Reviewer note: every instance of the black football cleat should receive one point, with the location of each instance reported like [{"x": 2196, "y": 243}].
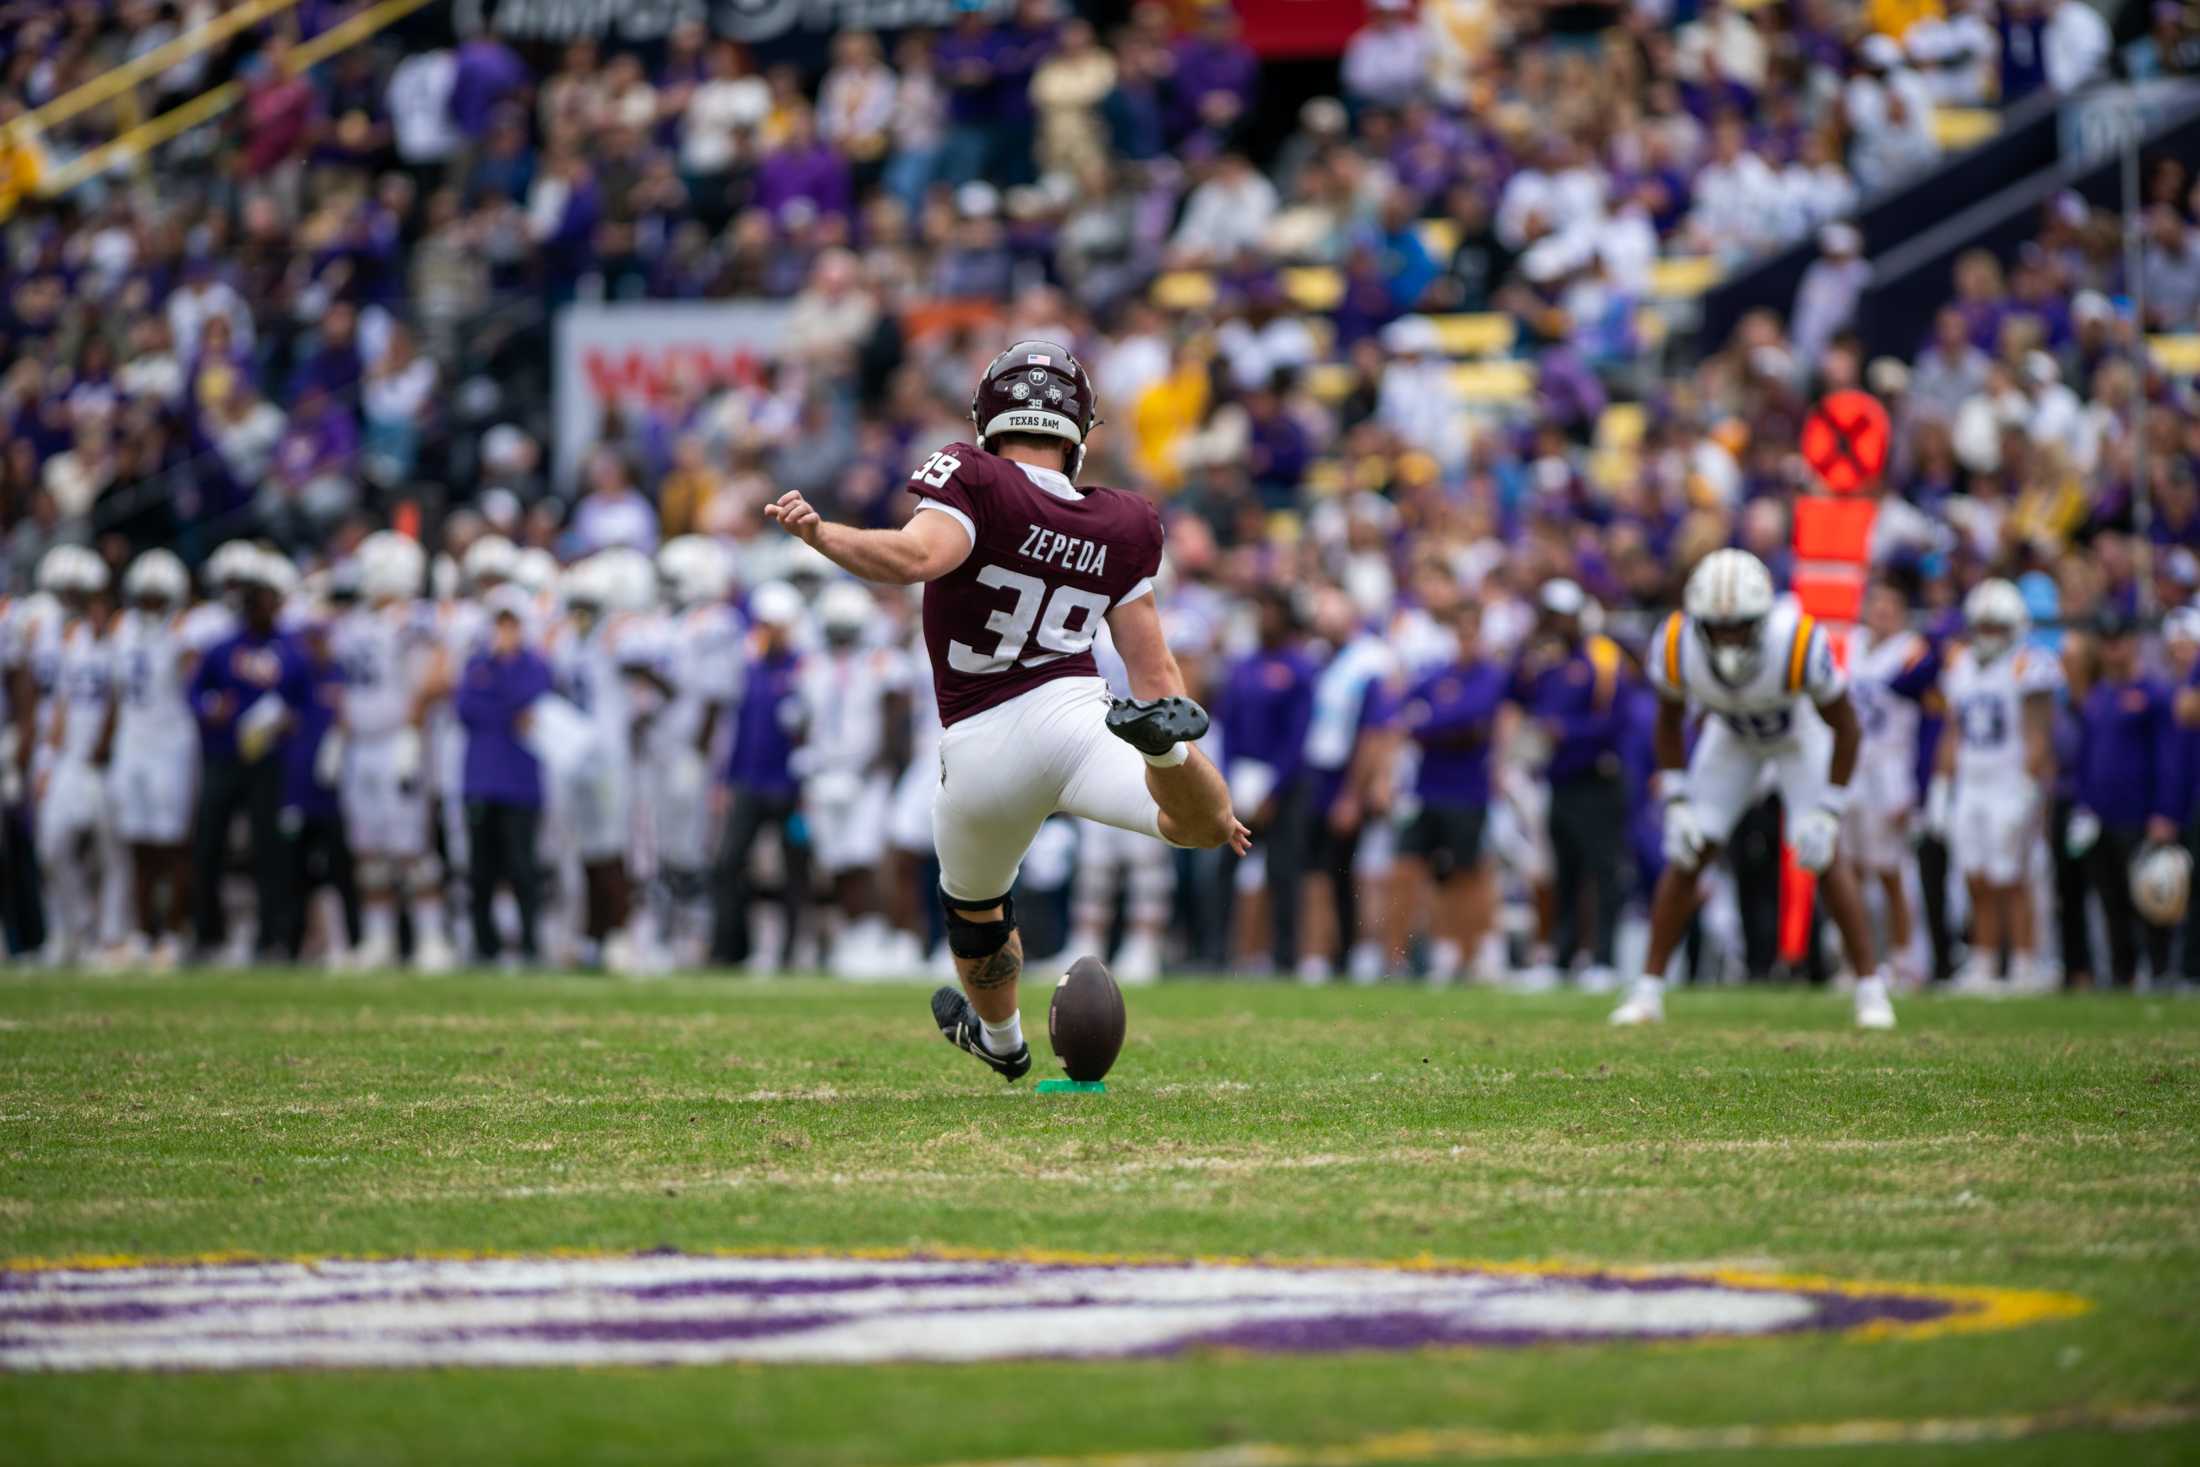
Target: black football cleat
[
  {"x": 1158, "y": 724},
  {"x": 960, "y": 1026}
]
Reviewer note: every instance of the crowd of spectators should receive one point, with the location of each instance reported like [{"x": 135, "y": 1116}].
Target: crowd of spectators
[{"x": 330, "y": 306}]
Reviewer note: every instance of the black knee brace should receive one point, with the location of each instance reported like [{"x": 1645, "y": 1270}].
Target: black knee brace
[{"x": 968, "y": 939}]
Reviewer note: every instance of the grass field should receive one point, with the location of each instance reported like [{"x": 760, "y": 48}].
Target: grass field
[{"x": 2051, "y": 1146}]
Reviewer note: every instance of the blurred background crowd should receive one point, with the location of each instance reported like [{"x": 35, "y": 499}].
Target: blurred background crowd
[{"x": 1393, "y": 327}]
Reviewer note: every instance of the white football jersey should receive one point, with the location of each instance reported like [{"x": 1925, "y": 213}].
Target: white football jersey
[
  {"x": 154, "y": 716},
  {"x": 380, "y": 649},
  {"x": 86, "y": 681},
  {"x": 591, "y": 674},
  {"x": 1986, "y": 709},
  {"x": 843, "y": 692},
  {"x": 1795, "y": 674},
  {"x": 1888, "y": 759},
  {"x": 205, "y": 624},
  {"x": 463, "y": 628},
  {"x": 34, "y": 644},
  {"x": 698, "y": 652}
]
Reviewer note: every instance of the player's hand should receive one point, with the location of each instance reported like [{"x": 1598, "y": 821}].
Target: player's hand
[
  {"x": 2161, "y": 830},
  {"x": 1241, "y": 839},
  {"x": 1684, "y": 835},
  {"x": 2081, "y": 833},
  {"x": 1939, "y": 798},
  {"x": 1815, "y": 838},
  {"x": 797, "y": 516}
]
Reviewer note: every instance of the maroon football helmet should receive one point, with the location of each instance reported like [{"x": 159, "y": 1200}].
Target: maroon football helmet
[{"x": 1036, "y": 387}]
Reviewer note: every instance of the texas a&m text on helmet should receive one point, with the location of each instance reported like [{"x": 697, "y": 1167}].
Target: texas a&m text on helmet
[{"x": 1036, "y": 387}]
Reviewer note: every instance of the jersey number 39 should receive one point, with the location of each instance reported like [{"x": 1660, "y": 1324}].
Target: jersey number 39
[{"x": 1066, "y": 626}]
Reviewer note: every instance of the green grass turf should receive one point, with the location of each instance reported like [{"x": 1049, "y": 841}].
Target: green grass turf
[{"x": 2044, "y": 1144}]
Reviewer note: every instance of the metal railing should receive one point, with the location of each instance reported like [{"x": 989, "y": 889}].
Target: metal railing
[{"x": 138, "y": 141}]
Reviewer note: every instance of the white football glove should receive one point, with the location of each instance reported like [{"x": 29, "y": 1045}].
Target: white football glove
[
  {"x": 328, "y": 760},
  {"x": 405, "y": 757},
  {"x": 1684, "y": 835},
  {"x": 1814, "y": 838},
  {"x": 2082, "y": 833},
  {"x": 1939, "y": 800}
]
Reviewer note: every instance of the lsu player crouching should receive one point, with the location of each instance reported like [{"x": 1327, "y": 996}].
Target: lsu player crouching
[{"x": 1763, "y": 672}]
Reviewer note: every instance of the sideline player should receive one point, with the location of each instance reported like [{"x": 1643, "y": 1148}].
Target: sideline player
[
  {"x": 1891, "y": 667},
  {"x": 78, "y": 854},
  {"x": 1021, "y": 567},
  {"x": 385, "y": 648},
  {"x": 1995, "y": 764},
  {"x": 154, "y": 776},
  {"x": 1764, "y": 672}
]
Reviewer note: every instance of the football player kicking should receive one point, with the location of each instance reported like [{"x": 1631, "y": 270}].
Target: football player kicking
[
  {"x": 1764, "y": 673},
  {"x": 1020, "y": 567}
]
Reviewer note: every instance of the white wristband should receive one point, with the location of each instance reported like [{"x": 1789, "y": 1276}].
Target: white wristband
[
  {"x": 1177, "y": 754},
  {"x": 1668, "y": 785},
  {"x": 1835, "y": 799}
]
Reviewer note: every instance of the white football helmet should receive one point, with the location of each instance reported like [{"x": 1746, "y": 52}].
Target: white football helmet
[
  {"x": 2161, "y": 881},
  {"x": 535, "y": 571},
  {"x": 586, "y": 585},
  {"x": 775, "y": 604},
  {"x": 490, "y": 558},
  {"x": 57, "y": 570},
  {"x": 228, "y": 563},
  {"x": 695, "y": 569},
  {"x": 269, "y": 568},
  {"x": 844, "y": 610},
  {"x": 72, "y": 569},
  {"x": 630, "y": 579},
  {"x": 1995, "y": 615},
  {"x": 391, "y": 566},
  {"x": 1729, "y": 595},
  {"x": 157, "y": 575}
]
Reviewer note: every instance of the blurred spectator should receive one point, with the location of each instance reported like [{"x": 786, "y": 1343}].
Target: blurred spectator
[
  {"x": 1386, "y": 63},
  {"x": 2075, "y": 48},
  {"x": 1068, "y": 88},
  {"x": 1826, "y": 299},
  {"x": 612, "y": 512}
]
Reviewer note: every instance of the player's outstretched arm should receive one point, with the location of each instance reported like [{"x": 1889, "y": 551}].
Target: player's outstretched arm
[{"x": 925, "y": 549}]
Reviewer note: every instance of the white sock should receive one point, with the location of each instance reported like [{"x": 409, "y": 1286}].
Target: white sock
[
  {"x": 378, "y": 922},
  {"x": 1177, "y": 754},
  {"x": 427, "y": 915},
  {"x": 1006, "y": 1038},
  {"x": 1443, "y": 958},
  {"x": 1649, "y": 982}
]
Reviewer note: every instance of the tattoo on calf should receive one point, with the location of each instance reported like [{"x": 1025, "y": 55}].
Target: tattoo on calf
[{"x": 1005, "y": 966}]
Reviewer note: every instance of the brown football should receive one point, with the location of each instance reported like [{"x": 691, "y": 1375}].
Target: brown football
[{"x": 1085, "y": 1020}]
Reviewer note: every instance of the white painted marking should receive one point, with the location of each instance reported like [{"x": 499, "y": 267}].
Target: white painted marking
[{"x": 676, "y": 1309}]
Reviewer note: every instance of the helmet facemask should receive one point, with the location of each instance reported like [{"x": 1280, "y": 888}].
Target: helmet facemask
[
  {"x": 1736, "y": 648},
  {"x": 1991, "y": 640}
]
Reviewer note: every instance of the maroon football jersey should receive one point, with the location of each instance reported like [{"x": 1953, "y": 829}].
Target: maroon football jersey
[{"x": 1047, "y": 562}]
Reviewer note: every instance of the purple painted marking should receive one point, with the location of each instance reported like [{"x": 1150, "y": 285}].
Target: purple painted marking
[
  {"x": 786, "y": 1288},
  {"x": 44, "y": 1312},
  {"x": 647, "y": 1331}
]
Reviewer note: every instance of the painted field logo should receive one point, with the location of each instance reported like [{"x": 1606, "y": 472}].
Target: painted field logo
[{"x": 669, "y": 1309}]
